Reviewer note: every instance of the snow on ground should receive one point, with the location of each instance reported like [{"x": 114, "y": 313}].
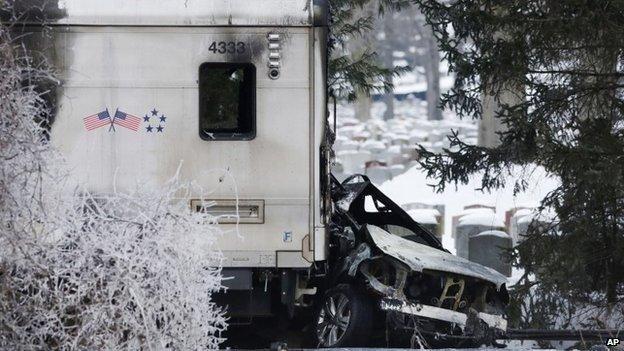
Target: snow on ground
[
  {"x": 413, "y": 186},
  {"x": 383, "y": 149}
]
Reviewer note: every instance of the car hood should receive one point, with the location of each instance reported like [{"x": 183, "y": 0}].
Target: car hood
[{"x": 421, "y": 257}]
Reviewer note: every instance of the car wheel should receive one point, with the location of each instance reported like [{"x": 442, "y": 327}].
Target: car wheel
[{"x": 343, "y": 318}]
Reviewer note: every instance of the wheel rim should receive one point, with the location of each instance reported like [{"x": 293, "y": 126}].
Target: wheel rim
[{"x": 333, "y": 320}]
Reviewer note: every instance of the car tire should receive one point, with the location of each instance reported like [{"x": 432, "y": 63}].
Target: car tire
[{"x": 343, "y": 318}]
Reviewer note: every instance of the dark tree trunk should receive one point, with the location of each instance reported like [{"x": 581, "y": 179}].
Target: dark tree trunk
[
  {"x": 432, "y": 71},
  {"x": 388, "y": 61}
]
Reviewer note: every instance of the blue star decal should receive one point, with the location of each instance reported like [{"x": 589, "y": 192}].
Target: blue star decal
[
  {"x": 149, "y": 129},
  {"x": 160, "y": 128},
  {"x": 163, "y": 118},
  {"x": 154, "y": 112},
  {"x": 146, "y": 118}
]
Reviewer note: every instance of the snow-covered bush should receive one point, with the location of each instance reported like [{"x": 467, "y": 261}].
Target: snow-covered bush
[{"x": 80, "y": 271}]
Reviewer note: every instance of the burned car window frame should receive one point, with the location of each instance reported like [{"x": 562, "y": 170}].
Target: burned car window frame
[
  {"x": 246, "y": 119},
  {"x": 388, "y": 214}
]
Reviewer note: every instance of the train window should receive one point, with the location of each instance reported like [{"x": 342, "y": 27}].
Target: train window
[{"x": 227, "y": 101}]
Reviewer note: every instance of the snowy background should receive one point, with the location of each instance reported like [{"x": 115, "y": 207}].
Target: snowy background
[{"x": 385, "y": 150}]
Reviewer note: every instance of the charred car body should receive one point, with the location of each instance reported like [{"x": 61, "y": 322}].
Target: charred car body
[{"x": 385, "y": 267}]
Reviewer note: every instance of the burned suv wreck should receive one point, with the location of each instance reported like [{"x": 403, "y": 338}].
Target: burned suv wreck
[{"x": 392, "y": 276}]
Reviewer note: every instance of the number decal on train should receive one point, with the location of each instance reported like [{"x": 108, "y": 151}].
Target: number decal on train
[{"x": 230, "y": 47}]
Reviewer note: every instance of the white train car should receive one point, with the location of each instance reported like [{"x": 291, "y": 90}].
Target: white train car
[
  {"x": 148, "y": 87},
  {"x": 239, "y": 85}
]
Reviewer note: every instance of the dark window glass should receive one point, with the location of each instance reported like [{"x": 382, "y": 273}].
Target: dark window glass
[{"x": 227, "y": 101}]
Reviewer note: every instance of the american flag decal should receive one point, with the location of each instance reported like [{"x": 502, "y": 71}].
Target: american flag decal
[
  {"x": 126, "y": 120},
  {"x": 97, "y": 120}
]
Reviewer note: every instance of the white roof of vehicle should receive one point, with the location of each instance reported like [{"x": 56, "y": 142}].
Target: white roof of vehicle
[{"x": 180, "y": 12}]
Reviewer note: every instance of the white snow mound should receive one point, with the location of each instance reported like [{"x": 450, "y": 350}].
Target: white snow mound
[{"x": 483, "y": 219}]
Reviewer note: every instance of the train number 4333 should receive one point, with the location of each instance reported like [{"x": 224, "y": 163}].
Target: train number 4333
[{"x": 229, "y": 47}]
